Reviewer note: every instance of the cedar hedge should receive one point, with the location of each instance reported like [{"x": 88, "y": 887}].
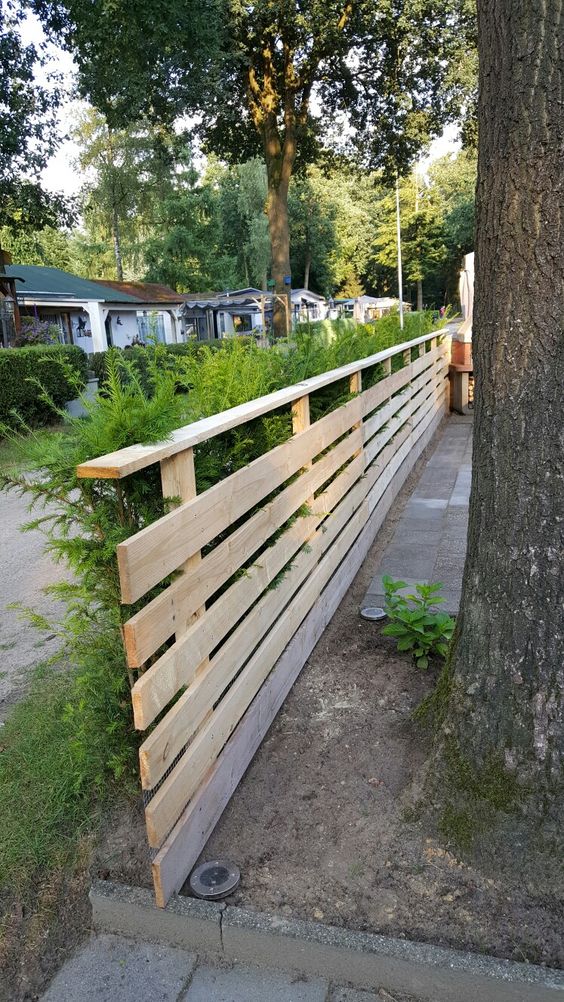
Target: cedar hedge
[
  {"x": 61, "y": 370},
  {"x": 138, "y": 354}
]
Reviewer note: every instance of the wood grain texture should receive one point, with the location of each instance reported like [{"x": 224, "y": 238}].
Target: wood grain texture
[
  {"x": 181, "y": 850},
  {"x": 156, "y": 622},
  {"x": 156, "y": 551}
]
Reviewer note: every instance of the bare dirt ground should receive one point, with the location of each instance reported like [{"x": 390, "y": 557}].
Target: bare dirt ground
[{"x": 323, "y": 825}]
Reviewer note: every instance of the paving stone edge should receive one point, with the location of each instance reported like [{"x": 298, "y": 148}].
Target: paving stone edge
[{"x": 364, "y": 960}]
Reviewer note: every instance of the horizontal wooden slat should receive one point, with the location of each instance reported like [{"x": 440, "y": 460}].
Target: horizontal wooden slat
[
  {"x": 156, "y": 551},
  {"x": 156, "y": 622},
  {"x": 177, "y": 667},
  {"x": 137, "y": 457},
  {"x": 164, "y": 809},
  {"x": 181, "y": 850},
  {"x": 177, "y": 727},
  {"x": 153, "y": 624},
  {"x": 175, "y": 730}
]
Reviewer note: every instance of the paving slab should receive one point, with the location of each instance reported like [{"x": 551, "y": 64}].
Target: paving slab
[
  {"x": 429, "y": 542},
  {"x": 114, "y": 969},
  {"x": 248, "y": 984}
]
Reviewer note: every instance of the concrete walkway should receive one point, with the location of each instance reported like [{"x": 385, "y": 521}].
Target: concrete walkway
[
  {"x": 429, "y": 544},
  {"x": 116, "y": 969},
  {"x": 25, "y": 569}
]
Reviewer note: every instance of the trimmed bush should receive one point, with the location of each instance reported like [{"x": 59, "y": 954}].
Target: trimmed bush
[
  {"x": 61, "y": 370},
  {"x": 138, "y": 355}
]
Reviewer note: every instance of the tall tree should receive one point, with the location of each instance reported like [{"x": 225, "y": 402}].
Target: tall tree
[
  {"x": 506, "y": 705},
  {"x": 422, "y": 235},
  {"x": 387, "y": 65},
  {"x": 29, "y": 126}
]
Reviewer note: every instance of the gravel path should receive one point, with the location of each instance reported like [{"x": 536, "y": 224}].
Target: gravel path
[{"x": 24, "y": 571}]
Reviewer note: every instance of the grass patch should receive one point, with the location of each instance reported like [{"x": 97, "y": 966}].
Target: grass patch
[
  {"x": 61, "y": 750},
  {"x": 13, "y": 450}
]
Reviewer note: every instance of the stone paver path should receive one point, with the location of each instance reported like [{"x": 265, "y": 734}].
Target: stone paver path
[
  {"x": 116, "y": 969},
  {"x": 429, "y": 543}
]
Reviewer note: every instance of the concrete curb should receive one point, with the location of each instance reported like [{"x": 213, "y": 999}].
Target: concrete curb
[{"x": 313, "y": 949}]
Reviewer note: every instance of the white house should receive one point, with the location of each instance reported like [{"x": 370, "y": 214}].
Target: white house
[
  {"x": 363, "y": 309},
  {"x": 97, "y": 314},
  {"x": 242, "y": 311}
]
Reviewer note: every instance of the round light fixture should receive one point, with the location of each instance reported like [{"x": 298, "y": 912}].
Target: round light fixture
[
  {"x": 373, "y": 613},
  {"x": 214, "y": 880}
]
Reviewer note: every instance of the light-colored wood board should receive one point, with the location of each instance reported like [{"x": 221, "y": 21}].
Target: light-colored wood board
[
  {"x": 172, "y": 733},
  {"x": 177, "y": 668},
  {"x": 156, "y": 551},
  {"x": 163, "y": 811},
  {"x": 120, "y": 464},
  {"x": 181, "y": 850},
  {"x": 146, "y": 631},
  {"x": 178, "y": 480}
]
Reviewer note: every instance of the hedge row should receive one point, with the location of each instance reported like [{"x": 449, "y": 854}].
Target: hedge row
[
  {"x": 61, "y": 370},
  {"x": 98, "y": 360}
]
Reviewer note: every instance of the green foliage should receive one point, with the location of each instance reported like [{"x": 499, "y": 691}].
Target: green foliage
[
  {"x": 474, "y": 799},
  {"x": 72, "y": 738},
  {"x": 49, "y": 247},
  {"x": 59, "y": 370},
  {"x": 60, "y": 746},
  {"x": 415, "y": 623},
  {"x": 29, "y": 132}
]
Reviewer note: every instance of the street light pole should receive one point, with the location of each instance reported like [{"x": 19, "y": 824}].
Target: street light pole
[{"x": 400, "y": 276}]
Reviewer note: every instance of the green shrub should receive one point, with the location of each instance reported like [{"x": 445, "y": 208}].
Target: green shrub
[
  {"x": 415, "y": 622},
  {"x": 59, "y": 369},
  {"x": 138, "y": 354},
  {"x": 86, "y": 715}
]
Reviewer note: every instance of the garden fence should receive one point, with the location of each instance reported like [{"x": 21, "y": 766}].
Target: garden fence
[{"x": 264, "y": 556}]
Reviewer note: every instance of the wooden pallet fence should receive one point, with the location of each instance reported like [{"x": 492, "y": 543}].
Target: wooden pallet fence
[{"x": 207, "y": 645}]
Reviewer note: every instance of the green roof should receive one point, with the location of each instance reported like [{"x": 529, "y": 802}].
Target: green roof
[{"x": 52, "y": 283}]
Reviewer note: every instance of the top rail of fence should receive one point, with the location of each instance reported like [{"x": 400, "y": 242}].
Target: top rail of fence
[{"x": 123, "y": 462}]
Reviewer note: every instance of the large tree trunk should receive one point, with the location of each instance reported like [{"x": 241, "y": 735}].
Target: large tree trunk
[
  {"x": 307, "y": 268},
  {"x": 117, "y": 244},
  {"x": 278, "y": 228},
  {"x": 506, "y": 702},
  {"x": 419, "y": 294}
]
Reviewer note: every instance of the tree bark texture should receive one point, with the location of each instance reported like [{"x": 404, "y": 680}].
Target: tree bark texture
[
  {"x": 279, "y": 231},
  {"x": 117, "y": 244},
  {"x": 507, "y": 697},
  {"x": 307, "y": 268},
  {"x": 419, "y": 294}
]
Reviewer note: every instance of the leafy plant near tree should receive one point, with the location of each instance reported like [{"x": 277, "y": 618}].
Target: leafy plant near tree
[{"x": 415, "y": 622}]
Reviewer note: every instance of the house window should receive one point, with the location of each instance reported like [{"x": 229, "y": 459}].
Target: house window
[{"x": 151, "y": 325}]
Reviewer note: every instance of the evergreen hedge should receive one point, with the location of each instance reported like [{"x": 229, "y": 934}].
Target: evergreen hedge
[{"x": 61, "y": 370}]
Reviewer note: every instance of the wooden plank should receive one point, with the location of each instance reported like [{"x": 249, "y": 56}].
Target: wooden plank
[
  {"x": 172, "y": 733},
  {"x": 146, "y": 631},
  {"x": 120, "y": 464},
  {"x": 178, "y": 480},
  {"x": 178, "y": 666},
  {"x": 163, "y": 811},
  {"x": 181, "y": 850},
  {"x": 156, "y": 551}
]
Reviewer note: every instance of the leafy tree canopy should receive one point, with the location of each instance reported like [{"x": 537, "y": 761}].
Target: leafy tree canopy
[{"x": 29, "y": 133}]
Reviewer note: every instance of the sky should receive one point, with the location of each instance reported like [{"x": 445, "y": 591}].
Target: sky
[{"x": 60, "y": 174}]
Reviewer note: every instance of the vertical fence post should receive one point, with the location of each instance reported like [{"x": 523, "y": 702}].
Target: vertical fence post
[
  {"x": 300, "y": 421},
  {"x": 355, "y": 386},
  {"x": 178, "y": 480}
]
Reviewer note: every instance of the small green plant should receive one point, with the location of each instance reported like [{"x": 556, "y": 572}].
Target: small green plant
[{"x": 416, "y": 624}]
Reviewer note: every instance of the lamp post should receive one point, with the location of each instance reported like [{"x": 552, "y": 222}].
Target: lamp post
[{"x": 400, "y": 276}]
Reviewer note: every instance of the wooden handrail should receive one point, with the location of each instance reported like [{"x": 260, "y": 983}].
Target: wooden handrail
[{"x": 116, "y": 465}]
